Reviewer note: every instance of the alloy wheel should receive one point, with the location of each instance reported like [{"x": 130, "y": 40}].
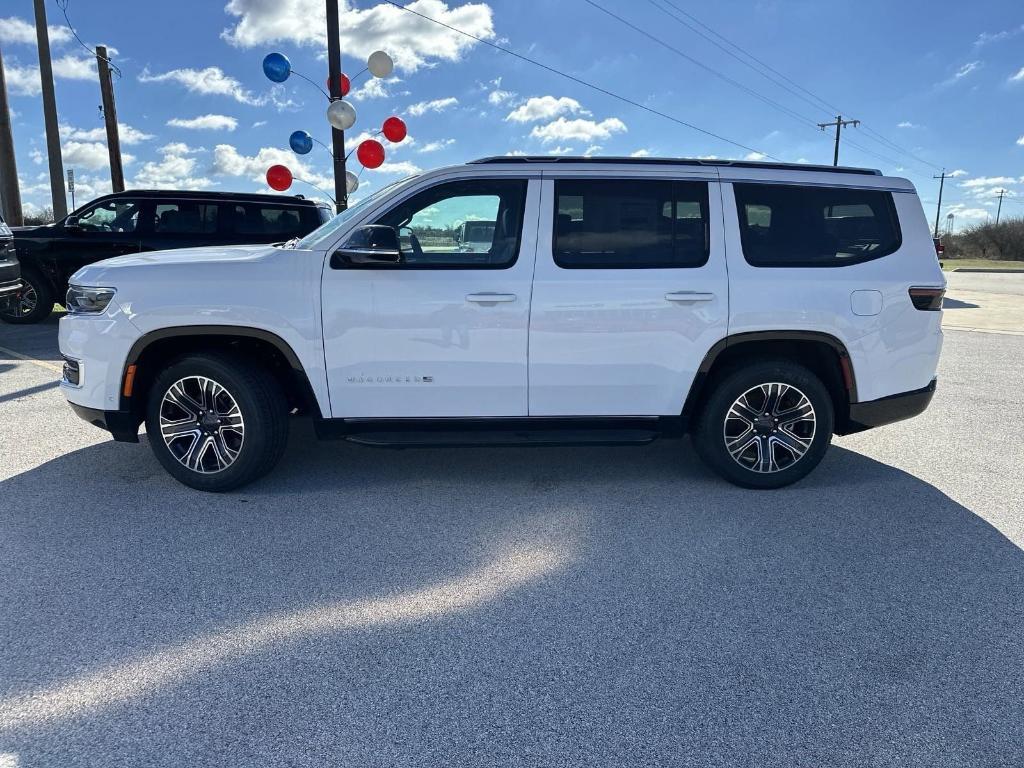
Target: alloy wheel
[
  {"x": 769, "y": 427},
  {"x": 25, "y": 302},
  {"x": 201, "y": 424}
]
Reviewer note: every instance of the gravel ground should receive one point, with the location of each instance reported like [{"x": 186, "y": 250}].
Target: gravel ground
[{"x": 471, "y": 607}]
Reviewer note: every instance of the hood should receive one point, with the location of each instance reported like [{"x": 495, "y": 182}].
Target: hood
[
  {"x": 191, "y": 259},
  {"x": 43, "y": 229}
]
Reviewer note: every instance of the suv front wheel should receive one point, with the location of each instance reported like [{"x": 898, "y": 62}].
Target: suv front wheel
[
  {"x": 765, "y": 425},
  {"x": 216, "y": 421}
]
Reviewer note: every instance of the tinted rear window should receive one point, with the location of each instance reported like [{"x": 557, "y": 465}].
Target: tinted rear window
[
  {"x": 804, "y": 226},
  {"x": 270, "y": 221},
  {"x": 630, "y": 224}
]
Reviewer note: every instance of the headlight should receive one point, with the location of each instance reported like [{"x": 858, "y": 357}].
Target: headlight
[{"x": 86, "y": 300}]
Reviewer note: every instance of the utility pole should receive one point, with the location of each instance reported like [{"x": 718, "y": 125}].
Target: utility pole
[
  {"x": 334, "y": 79},
  {"x": 10, "y": 194},
  {"x": 938, "y": 208},
  {"x": 60, "y": 203},
  {"x": 110, "y": 118},
  {"x": 1000, "y": 208},
  {"x": 839, "y": 124}
]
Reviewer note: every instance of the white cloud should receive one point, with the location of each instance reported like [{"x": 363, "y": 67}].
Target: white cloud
[
  {"x": 89, "y": 154},
  {"x": 907, "y": 124},
  {"x": 593, "y": 149},
  {"x": 403, "y": 168},
  {"x": 988, "y": 181},
  {"x": 24, "y": 81},
  {"x": 964, "y": 71},
  {"x": 1020, "y": 141},
  {"x": 755, "y": 156},
  {"x": 175, "y": 170},
  {"x": 205, "y": 123},
  {"x": 995, "y": 37},
  {"x": 127, "y": 134},
  {"x": 412, "y": 41},
  {"x": 1019, "y": 77},
  {"x": 956, "y": 174},
  {"x": 208, "y": 81},
  {"x": 18, "y": 31},
  {"x": 75, "y": 68},
  {"x": 376, "y": 88},
  {"x": 228, "y": 161},
  {"x": 539, "y": 108},
  {"x": 437, "y": 105},
  {"x": 434, "y": 146},
  {"x": 498, "y": 96},
  {"x": 641, "y": 153},
  {"x": 577, "y": 130}
]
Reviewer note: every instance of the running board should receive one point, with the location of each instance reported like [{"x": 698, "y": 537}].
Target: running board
[{"x": 513, "y": 431}]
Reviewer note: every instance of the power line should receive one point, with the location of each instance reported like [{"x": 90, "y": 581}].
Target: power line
[
  {"x": 580, "y": 81},
  {"x": 63, "y": 5},
  {"x": 811, "y": 98}
]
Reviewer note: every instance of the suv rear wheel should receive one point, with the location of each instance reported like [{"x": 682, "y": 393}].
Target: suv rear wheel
[
  {"x": 216, "y": 422},
  {"x": 765, "y": 425},
  {"x": 33, "y": 303}
]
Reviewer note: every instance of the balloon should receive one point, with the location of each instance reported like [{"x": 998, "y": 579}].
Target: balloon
[
  {"x": 279, "y": 178},
  {"x": 371, "y": 153},
  {"x": 341, "y": 115},
  {"x": 380, "y": 64},
  {"x": 394, "y": 129},
  {"x": 300, "y": 142},
  {"x": 276, "y": 67},
  {"x": 351, "y": 182},
  {"x": 346, "y": 84}
]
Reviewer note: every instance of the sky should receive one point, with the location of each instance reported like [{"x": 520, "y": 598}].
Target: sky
[{"x": 935, "y": 86}]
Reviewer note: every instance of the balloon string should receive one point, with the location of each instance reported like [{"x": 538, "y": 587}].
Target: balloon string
[
  {"x": 329, "y": 150},
  {"x": 378, "y": 133},
  {"x": 325, "y": 93},
  {"x": 314, "y": 186}
]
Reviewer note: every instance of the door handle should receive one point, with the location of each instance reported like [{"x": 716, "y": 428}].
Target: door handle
[
  {"x": 687, "y": 296},
  {"x": 490, "y": 298}
]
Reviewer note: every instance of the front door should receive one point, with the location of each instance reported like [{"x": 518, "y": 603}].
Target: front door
[
  {"x": 442, "y": 333},
  {"x": 630, "y": 292},
  {"x": 107, "y": 229}
]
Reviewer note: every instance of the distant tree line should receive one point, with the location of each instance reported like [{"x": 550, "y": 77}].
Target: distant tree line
[
  {"x": 1004, "y": 242},
  {"x": 44, "y": 216}
]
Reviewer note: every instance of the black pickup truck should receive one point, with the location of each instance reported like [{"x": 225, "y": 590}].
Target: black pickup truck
[
  {"x": 148, "y": 220},
  {"x": 10, "y": 273}
]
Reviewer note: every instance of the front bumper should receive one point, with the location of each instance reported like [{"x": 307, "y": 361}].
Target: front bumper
[
  {"x": 124, "y": 426},
  {"x": 886, "y": 410}
]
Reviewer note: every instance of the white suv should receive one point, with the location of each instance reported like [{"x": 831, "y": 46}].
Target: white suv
[{"x": 762, "y": 308}]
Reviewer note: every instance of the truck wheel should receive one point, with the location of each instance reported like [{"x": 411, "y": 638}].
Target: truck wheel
[
  {"x": 765, "y": 425},
  {"x": 33, "y": 303},
  {"x": 216, "y": 421}
]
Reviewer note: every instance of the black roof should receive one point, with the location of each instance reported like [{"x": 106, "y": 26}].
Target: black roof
[
  {"x": 189, "y": 194},
  {"x": 512, "y": 159}
]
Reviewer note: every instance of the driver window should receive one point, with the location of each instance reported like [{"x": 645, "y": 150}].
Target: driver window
[
  {"x": 111, "y": 216},
  {"x": 471, "y": 224}
]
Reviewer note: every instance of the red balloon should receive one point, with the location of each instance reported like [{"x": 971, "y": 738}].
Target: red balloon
[
  {"x": 346, "y": 84},
  {"x": 394, "y": 129},
  {"x": 371, "y": 153},
  {"x": 279, "y": 178}
]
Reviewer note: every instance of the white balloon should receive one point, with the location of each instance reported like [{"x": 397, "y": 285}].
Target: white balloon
[
  {"x": 351, "y": 182},
  {"x": 380, "y": 64},
  {"x": 341, "y": 115}
]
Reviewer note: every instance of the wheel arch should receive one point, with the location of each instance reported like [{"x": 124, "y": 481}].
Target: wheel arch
[
  {"x": 823, "y": 353},
  {"x": 165, "y": 343}
]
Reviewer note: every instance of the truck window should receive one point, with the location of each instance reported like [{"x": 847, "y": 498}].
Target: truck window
[
  {"x": 803, "y": 226},
  {"x": 630, "y": 223},
  {"x": 185, "y": 218}
]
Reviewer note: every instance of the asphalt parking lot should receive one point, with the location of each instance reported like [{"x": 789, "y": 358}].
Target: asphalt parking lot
[{"x": 572, "y": 606}]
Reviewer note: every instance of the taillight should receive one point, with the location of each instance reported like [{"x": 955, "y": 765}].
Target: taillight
[
  {"x": 939, "y": 247},
  {"x": 927, "y": 299}
]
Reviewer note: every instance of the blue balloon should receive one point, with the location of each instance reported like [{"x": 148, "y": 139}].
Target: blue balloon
[
  {"x": 300, "y": 142},
  {"x": 276, "y": 67}
]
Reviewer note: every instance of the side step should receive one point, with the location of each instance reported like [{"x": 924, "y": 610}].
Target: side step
[{"x": 503, "y": 437}]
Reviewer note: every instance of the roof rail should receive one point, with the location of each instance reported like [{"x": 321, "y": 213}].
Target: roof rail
[{"x": 561, "y": 159}]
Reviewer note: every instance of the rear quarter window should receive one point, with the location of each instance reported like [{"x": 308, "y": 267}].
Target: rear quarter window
[{"x": 803, "y": 226}]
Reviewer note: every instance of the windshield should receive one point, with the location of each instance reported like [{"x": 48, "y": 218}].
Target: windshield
[{"x": 327, "y": 231}]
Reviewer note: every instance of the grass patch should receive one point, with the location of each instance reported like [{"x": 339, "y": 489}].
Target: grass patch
[{"x": 948, "y": 265}]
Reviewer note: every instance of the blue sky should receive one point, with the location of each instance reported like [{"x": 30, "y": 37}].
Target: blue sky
[{"x": 943, "y": 83}]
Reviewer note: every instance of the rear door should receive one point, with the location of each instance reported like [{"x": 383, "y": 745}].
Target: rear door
[
  {"x": 181, "y": 224},
  {"x": 630, "y": 292},
  {"x": 257, "y": 223},
  {"x": 444, "y": 332}
]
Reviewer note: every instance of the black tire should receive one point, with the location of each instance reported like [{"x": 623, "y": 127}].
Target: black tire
[
  {"x": 767, "y": 460},
  {"x": 36, "y": 286},
  {"x": 261, "y": 404}
]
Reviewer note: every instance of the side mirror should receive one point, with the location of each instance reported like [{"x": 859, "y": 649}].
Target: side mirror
[
  {"x": 71, "y": 222},
  {"x": 372, "y": 245}
]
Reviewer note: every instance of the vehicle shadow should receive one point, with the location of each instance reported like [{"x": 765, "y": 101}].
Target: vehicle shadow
[
  {"x": 36, "y": 340},
  {"x": 861, "y": 617}
]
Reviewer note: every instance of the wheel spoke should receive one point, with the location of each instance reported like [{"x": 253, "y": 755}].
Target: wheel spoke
[
  {"x": 201, "y": 424},
  {"x": 795, "y": 445},
  {"x": 743, "y": 412}
]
